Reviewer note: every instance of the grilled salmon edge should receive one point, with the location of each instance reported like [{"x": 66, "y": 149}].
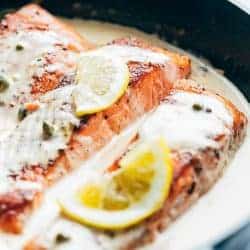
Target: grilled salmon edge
[{"x": 148, "y": 85}]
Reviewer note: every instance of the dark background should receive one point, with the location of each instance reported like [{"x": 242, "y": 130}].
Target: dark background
[{"x": 214, "y": 29}]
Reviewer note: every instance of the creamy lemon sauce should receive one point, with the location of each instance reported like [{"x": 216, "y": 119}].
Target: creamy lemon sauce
[
  {"x": 26, "y": 146},
  {"x": 189, "y": 121},
  {"x": 23, "y": 56},
  {"x": 133, "y": 54},
  {"x": 14, "y": 64},
  {"x": 220, "y": 120},
  {"x": 22, "y": 142}
]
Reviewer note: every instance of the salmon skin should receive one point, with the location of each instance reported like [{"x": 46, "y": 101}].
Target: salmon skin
[{"x": 48, "y": 52}]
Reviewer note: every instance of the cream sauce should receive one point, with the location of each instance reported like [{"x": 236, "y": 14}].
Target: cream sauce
[
  {"x": 21, "y": 65},
  {"x": 184, "y": 127},
  {"x": 25, "y": 146},
  {"x": 101, "y": 33},
  {"x": 23, "y": 57},
  {"x": 134, "y": 54}
]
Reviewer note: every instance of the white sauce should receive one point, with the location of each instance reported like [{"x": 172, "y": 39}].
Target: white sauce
[
  {"x": 78, "y": 236},
  {"x": 185, "y": 128},
  {"x": 22, "y": 144},
  {"x": 134, "y": 54},
  {"x": 22, "y": 65},
  {"x": 102, "y": 33},
  {"x": 19, "y": 66},
  {"x": 25, "y": 145}
]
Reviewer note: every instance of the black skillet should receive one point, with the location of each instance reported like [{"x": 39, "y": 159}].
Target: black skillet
[{"x": 214, "y": 29}]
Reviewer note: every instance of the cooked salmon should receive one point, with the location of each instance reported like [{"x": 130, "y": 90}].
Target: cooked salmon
[
  {"x": 195, "y": 171},
  {"x": 47, "y": 50},
  {"x": 216, "y": 128}
]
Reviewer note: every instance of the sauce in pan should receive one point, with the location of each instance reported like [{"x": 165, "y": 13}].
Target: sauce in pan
[{"x": 101, "y": 33}]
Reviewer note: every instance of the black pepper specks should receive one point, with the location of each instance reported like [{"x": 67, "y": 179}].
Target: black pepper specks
[{"x": 208, "y": 110}]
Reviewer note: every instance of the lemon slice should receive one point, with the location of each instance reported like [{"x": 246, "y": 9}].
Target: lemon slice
[
  {"x": 101, "y": 80},
  {"x": 125, "y": 196}
]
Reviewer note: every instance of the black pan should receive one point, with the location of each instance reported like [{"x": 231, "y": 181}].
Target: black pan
[{"x": 214, "y": 29}]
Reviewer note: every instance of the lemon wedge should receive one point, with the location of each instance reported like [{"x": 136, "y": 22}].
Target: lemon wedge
[
  {"x": 126, "y": 196},
  {"x": 101, "y": 81}
]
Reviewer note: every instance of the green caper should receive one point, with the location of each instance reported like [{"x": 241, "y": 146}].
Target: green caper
[
  {"x": 4, "y": 82},
  {"x": 19, "y": 47},
  {"x": 61, "y": 238},
  {"x": 48, "y": 131},
  {"x": 197, "y": 107},
  {"x": 22, "y": 113}
]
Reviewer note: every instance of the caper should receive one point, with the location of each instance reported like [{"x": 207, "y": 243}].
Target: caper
[
  {"x": 4, "y": 82},
  {"x": 48, "y": 131},
  {"x": 19, "y": 47},
  {"x": 22, "y": 113},
  {"x": 197, "y": 107},
  {"x": 61, "y": 238}
]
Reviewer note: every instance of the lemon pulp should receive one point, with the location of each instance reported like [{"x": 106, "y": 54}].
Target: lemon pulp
[
  {"x": 127, "y": 195},
  {"x": 101, "y": 81}
]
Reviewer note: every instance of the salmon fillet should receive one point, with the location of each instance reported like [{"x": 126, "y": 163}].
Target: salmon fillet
[
  {"x": 196, "y": 169},
  {"x": 36, "y": 28},
  {"x": 54, "y": 48},
  {"x": 195, "y": 172}
]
